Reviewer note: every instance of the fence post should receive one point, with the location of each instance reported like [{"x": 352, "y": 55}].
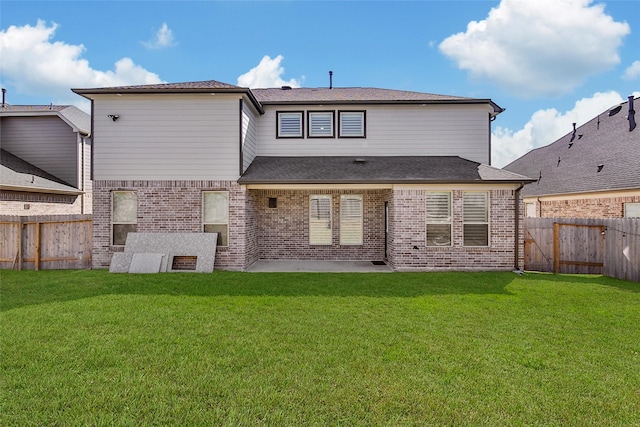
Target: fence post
[
  {"x": 556, "y": 248},
  {"x": 37, "y": 255}
]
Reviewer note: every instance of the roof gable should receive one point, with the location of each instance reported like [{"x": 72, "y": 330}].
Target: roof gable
[{"x": 73, "y": 116}]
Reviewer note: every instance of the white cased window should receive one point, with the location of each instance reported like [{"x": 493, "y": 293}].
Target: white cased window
[
  {"x": 289, "y": 124},
  {"x": 475, "y": 218},
  {"x": 438, "y": 218},
  {"x": 632, "y": 210},
  {"x": 351, "y": 219},
  {"x": 320, "y": 220},
  {"x": 124, "y": 215},
  {"x": 215, "y": 214}
]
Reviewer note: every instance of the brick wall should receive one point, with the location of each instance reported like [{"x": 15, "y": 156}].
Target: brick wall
[
  {"x": 605, "y": 207},
  {"x": 283, "y": 232},
  {"x": 171, "y": 206},
  {"x": 407, "y": 225},
  {"x": 26, "y": 203}
]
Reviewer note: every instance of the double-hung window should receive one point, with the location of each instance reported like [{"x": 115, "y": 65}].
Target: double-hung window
[
  {"x": 320, "y": 124},
  {"x": 475, "y": 218},
  {"x": 215, "y": 214},
  {"x": 351, "y": 219},
  {"x": 351, "y": 124},
  {"x": 438, "y": 218},
  {"x": 290, "y": 124},
  {"x": 124, "y": 215},
  {"x": 632, "y": 210},
  {"x": 320, "y": 220}
]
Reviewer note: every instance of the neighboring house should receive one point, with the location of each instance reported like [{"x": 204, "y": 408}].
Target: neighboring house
[
  {"x": 45, "y": 160},
  {"x": 593, "y": 171},
  {"x": 325, "y": 173}
]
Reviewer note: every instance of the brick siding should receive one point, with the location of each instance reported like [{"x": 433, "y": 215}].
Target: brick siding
[
  {"x": 172, "y": 206},
  {"x": 605, "y": 207},
  {"x": 284, "y": 231},
  {"x": 25, "y": 203},
  {"x": 257, "y": 231},
  {"x": 407, "y": 229}
]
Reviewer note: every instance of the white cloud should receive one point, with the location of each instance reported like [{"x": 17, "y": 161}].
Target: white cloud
[
  {"x": 632, "y": 72},
  {"x": 34, "y": 64},
  {"x": 267, "y": 74},
  {"x": 538, "y": 48},
  {"x": 546, "y": 126},
  {"x": 162, "y": 39}
]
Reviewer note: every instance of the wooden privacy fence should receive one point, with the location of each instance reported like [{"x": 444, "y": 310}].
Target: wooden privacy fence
[
  {"x": 609, "y": 246},
  {"x": 45, "y": 242}
]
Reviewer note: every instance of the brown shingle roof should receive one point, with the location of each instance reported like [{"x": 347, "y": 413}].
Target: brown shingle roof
[
  {"x": 567, "y": 167},
  {"x": 372, "y": 169},
  {"x": 288, "y": 95}
]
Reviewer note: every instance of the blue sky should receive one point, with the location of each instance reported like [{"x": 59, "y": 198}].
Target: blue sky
[{"x": 548, "y": 62}]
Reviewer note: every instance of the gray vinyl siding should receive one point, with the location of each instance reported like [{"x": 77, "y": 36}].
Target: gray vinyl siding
[
  {"x": 391, "y": 130},
  {"x": 166, "y": 137},
  {"x": 249, "y": 135},
  {"x": 46, "y": 142}
]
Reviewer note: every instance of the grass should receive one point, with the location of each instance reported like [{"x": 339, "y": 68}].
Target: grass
[{"x": 93, "y": 348}]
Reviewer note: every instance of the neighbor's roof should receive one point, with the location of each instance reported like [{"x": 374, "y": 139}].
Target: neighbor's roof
[
  {"x": 73, "y": 116},
  {"x": 566, "y": 167},
  {"x": 373, "y": 170},
  {"x": 19, "y": 175},
  {"x": 296, "y": 96}
]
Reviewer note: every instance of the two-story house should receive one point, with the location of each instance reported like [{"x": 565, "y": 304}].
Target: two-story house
[
  {"x": 301, "y": 173},
  {"x": 44, "y": 160}
]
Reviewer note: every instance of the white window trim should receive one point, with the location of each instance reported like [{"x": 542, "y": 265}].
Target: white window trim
[
  {"x": 299, "y": 134},
  {"x": 363, "y": 134},
  {"x": 310, "y": 124},
  {"x": 324, "y": 241},
  {"x": 448, "y": 221},
  {"x": 345, "y": 223},
  {"x": 632, "y": 208},
  {"x": 487, "y": 223},
  {"x": 216, "y": 223},
  {"x": 113, "y": 193}
]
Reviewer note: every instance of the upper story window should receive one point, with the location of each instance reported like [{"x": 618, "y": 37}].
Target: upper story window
[
  {"x": 352, "y": 124},
  {"x": 290, "y": 124},
  {"x": 320, "y": 124}
]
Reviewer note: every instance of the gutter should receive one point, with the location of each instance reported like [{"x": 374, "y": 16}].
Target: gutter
[{"x": 24, "y": 189}]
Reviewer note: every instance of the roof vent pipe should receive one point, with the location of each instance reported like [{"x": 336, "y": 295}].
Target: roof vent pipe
[
  {"x": 4, "y": 95},
  {"x": 573, "y": 135},
  {"x": 330, "y": 79},
  {"x": 631, "y": 117}
]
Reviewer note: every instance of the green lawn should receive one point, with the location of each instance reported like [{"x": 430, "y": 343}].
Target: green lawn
[{"x": 318, "y": 349}]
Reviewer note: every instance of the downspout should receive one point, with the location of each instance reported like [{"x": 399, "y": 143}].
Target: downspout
[
  {"x": 516, "y": 218},
  {"x": 540, "y": 208}
]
